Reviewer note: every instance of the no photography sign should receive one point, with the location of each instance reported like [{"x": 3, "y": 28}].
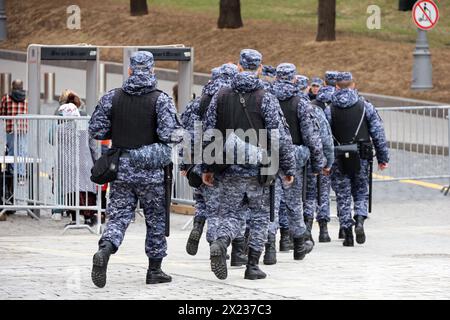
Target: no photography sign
[{"x": 425, "y": 14}]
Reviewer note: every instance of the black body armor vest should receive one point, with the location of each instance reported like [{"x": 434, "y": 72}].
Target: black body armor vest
[
  {"x": 231, "y": 114},
  {"x": 205, "y": 101},
  {"x": 289, "y": 108},
  {"x": 345, "y": 123},
  {"x": 134, "y": 120}
]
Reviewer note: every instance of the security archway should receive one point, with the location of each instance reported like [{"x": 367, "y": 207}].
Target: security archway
[
  {"x": 185, "y": 58},
  {"x": 37, "y": 53},
  {"x": 90, "y": 54}
]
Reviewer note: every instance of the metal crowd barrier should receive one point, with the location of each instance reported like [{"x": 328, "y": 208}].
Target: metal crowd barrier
[
  {"x": 45, "y": 165},
  {"x": 45, "y": 161},
  {"x": 419, "y": 142}
]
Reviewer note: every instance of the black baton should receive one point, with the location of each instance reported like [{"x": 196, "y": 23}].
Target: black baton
[
  {"x": 168, "y": 179},
  {"x": 305, "y": 181},
  {"x": 319, "y": 190},
  {"x": 272, "y": 201}
]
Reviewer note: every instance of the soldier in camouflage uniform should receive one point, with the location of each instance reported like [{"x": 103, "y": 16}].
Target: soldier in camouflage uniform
[
  {"x": 195, "y": 112},
  {"x": 354, "y": 120},
  {"x": 315, "y": 85},
  {"x": 268, "y": 77},
  {"x": 239, "y": 185},
  {"x": 305, "y": 135},
  {"x": 318, "y": 187},
  {"x": 119, "y": 113}
]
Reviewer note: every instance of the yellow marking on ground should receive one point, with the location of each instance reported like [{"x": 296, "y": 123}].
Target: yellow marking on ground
[{"x": 424, "y": 184}]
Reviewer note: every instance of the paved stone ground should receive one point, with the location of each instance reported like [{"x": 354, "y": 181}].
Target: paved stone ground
[{"x": 407, "y": 256}]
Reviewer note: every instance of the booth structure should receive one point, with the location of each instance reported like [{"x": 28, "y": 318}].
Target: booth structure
[
  {"x": 37, "y": 53},
  {"x": 90, "y": 54}
]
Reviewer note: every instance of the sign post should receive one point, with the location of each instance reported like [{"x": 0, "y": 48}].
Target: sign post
[{"x": 425, "y": 15}]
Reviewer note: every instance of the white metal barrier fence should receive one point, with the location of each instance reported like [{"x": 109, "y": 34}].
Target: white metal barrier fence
[
  {"x": 419, "y": 141},
  {"x": 45, "y": 165}
]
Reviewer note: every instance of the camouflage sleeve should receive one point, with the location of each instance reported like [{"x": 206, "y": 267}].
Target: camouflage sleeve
[
  {"x": 209, "y": 124},
  {"x": 274, "y": 119},
  {"x": 327, "y": 112},
  {"x": 326, "y": 137},
  {"x": 376, "y": 130},
  {"x": 211, "y": 114},
  {"x": 188, "y": 118},
  {"x": 310, "y": 129},
  {"x": 169, "y": 125},
  {"x": 100, "y": 122}
]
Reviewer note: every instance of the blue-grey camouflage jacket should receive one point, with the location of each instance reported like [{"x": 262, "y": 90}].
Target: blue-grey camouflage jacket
[
  {"x": 346, "y": 98},
  {"x": 192, "y": 111},
  {"x": 167, "y": 130},
  {"x": 309, "y": 125},
  {"x": 247, "y": 82}
]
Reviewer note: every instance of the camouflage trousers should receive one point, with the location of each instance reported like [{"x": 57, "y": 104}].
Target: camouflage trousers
[
  {"x": 293, "y": 205},
  {"x": 283, "y": 219},
  {"x": 350, "y": 188},
  {"x": 273, "y": 227},
  {"x": 121, "y": 208},
  {"x": 238, "y": 197},
  {"x": 311, "y": 205}
]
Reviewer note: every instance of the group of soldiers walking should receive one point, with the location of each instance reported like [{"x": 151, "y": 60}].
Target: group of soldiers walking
[{"x": 317, "y": 135}]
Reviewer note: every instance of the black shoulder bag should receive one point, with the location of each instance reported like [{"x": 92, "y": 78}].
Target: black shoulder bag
[{"x": 106, "y": 167}]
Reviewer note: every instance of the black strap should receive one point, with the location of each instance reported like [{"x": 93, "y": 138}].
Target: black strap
[{"x": 244, "y": 106}]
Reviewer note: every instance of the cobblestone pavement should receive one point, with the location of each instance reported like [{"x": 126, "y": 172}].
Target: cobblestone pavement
[{"x": 407, "y": 256}]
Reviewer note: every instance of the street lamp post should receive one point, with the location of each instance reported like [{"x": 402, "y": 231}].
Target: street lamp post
[
  {"x": 422, "y": 69},
  {"x": 3, "y": 33}
]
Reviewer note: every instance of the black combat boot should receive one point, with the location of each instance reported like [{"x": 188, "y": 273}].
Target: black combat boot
[
  {"x": 195, "y": 235},
  {"x": 341, "y": 233},
  {"x": 348, "y": 240},
  {"x": 253, "y": 272},
  {"x": 218, "y": 254},
  {"x": 323, "y": 233},
  {"x": 100, "y": 263},
  {"x": 285, "y": 240},
  {"x": 359, "y": 229},
  {"x": 270, "y": 254},
  {"x": 238, "y": 257},
  {"x": 299, "y": 248},
  {"x": 155, "y": 274},
  {"x": 309, "y": 223}
]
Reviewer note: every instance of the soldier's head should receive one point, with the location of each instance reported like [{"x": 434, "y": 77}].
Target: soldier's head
[
  {"x": 228, "y": 70},
  {"x": 330, "y": 78},
  {"x": 345, "y": 80},
  {"x": 17, "y": 85},
  {"x": 251, "y": 61},
  {"x": 215, "y": 73},
  {"x": 302, "y": 82},
  {"x": 316, "y": 84},
  {"x": 141, "y": 62},
  {"x": 286, "y": 72},
  {"x": 268, "y": 73}
]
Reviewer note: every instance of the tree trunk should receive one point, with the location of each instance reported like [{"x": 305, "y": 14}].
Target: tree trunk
[
  {"x": 406, "y": 5},
  {"x": 138, "y": 7},
  {"x": 326, "y": 30},
  {"x": 230, "y": 14}
]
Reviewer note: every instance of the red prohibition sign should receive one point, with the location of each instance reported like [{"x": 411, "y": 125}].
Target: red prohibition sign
[{"x": 425, "y": 22}]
